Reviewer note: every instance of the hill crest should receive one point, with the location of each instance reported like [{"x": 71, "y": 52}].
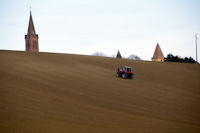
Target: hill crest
[{"x": 53, "y": 92}]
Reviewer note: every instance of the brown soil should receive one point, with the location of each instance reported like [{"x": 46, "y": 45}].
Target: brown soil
[{"x": 63, "y": 93}]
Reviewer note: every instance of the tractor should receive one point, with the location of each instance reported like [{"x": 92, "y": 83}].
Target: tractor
[{"x": 125, "y": 72}]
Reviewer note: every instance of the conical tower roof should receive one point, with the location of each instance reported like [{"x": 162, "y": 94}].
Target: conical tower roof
[
  {"x": 118, "y": 55},
  {"x": 31, "y": 29},
  {"x": 158, "y": 52}
]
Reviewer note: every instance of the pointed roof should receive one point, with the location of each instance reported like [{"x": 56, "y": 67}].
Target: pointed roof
[
  {"x": 158, "y": 52},
  {"x": 118, "y": 55},
  {"x": 31, "y": 29}
]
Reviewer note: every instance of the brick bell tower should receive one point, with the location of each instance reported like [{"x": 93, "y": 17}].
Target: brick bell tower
[{"x": 31, "y": 39}]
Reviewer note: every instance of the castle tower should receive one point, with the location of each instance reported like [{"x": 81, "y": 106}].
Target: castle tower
[
  {"x": 158, "y": 55},
  {"x": 118, "y": 55},
  {"x": 31, "y": 39}
]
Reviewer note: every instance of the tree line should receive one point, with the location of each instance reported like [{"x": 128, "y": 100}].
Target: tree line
[
  {"x": 172, "y": 58},
  {"x": 169, "y": 58}
]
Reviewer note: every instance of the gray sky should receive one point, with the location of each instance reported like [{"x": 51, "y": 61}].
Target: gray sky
[{"x": 87, "y": 26}]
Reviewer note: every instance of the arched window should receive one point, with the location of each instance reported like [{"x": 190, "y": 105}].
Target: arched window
[
  {"x": 27, "y": 45},
  {"x": 33, "y": 44}
]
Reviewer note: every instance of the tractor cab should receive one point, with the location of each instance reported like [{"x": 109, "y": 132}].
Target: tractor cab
[{"x": 126, "y": 68}]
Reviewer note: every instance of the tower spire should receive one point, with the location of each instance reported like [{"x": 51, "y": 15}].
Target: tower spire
[
  {"x": 158, "y": 55},
  {"x": 118, "y": 54},
  {"x": 31, "y": 28}
]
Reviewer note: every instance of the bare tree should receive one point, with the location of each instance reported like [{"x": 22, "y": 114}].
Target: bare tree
[
  {"x": 134, "y": 57},
  {"x": 99, "y": 54}
]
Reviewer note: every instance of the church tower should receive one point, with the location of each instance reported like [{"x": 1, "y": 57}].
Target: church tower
[
  {"x": 31, "y": 38},
  {"x": 158, "y": 55}
]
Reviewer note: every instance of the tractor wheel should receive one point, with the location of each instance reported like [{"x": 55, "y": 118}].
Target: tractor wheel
[
  {"x": 117, "y": 75},
  {"x": 131, "y": 77},
  {"x": 124, "y": 75}
]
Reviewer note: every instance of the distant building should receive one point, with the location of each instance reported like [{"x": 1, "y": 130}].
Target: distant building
[
  {"x": 31, "y": 39},
  {"x": 118, "y": 55},
  {"x": 158, "y": 55}
]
